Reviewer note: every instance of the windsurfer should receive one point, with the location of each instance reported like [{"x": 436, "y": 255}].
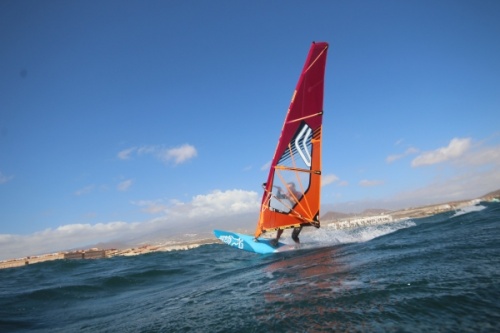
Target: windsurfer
[{"x": 293, "y": 196}]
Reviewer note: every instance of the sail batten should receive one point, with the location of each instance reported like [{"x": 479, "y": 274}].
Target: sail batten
[
  {"x": 292, "y": 192},
  {"x": 306, "y": 117},
  {"x": 282, "y": 167}
]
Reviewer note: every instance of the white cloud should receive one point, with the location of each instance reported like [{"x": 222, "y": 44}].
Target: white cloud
[
  {"x": 369, "y": 183},
  {"x": 392, "y": 158},
  {"x": 266, "y": 166},
  {"x": 409, "y": 151},
  {"x": 214, "y": 205},
  {"x": 177, "y": 154},
  {"x": 471, "y": 175},
  {"x": 4, "y": 179},
  {"x": 220, "y": 203},
  {"x": 64, "y": 237},
  {"x": 148, "y": 150},
  {"x": 400, "y": 141},
  {"x": 124, "y": 185},
  {"x": 152, "y": 206},
  {"x": 469, "y": 184},
  {"x": 475, "y": 173},
  {"x": 328, "y": 179},
  {"x": 79, "y": 229},
  {"x": 481, "y": 156},
  {"x": 456, "y": 148},
  {"x": 86, "y": 190},
  {"x": 125, "y": 154}
]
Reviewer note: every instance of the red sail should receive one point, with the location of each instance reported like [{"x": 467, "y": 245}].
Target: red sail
[{"x": 292, "y": 191}]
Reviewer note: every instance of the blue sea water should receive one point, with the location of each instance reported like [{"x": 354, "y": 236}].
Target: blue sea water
[{"x": 436, "y": 274}]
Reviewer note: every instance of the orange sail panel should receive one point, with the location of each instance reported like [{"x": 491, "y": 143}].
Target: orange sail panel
[{"x": 292, "y": 192}]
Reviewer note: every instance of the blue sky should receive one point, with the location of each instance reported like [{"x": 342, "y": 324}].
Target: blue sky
[{"x": 122, "y": 116}]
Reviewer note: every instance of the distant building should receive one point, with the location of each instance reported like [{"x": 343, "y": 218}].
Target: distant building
[
  {"x": 90, "y": 254},
  {"x": 94, "y": 254},
  {"x": 442, "y": 208},
  {"x": 73, "y": 255}
]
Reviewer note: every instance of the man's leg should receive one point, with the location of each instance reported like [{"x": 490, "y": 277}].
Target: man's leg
[
  {"x": 274, "y": 242},
  {"x": 278, "y": 233},
  {"x": 295, "y": 234}
]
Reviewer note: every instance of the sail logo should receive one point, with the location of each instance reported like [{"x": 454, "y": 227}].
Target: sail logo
[
  {"x": 232, "y": 241},
  {"x": 301, "y": 144}
]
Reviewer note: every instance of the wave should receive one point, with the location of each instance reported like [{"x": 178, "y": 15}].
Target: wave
[
  {"x": 433, "y": 273},
  {"x": 328, "y": 237},
  {"x": 468, "y": 209}
]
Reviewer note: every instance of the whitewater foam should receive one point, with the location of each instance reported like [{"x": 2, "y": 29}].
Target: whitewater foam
[
  {"x": 328, "y": 236},
  {"x": 468, "y": 209}
]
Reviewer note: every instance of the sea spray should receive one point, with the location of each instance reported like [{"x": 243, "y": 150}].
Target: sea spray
[
  {"x": 327, "y": 237},
  {"x": 468, "y": 209}
]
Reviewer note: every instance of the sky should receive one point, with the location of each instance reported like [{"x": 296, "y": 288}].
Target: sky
[{"x": 125, "y": 118}]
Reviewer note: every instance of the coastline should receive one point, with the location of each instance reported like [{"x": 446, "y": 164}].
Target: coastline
[
  {"x": 94, "y": 253},
  {"x": 106, "y": 253}
]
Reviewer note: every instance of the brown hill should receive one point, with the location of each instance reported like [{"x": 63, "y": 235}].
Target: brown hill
[
  {"x": 374, "y": 211},
  {"x": 334, "y": 216},
  {"x": 494, "y": 194},
  {"x": 331, "y": 215}
]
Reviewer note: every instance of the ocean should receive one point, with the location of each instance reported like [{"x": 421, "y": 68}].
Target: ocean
[{"x": 435, "y": 274}]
